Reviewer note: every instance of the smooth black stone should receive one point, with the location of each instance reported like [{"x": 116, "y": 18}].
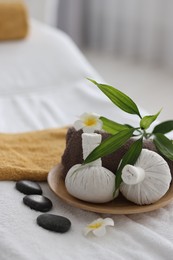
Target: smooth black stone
[
  {"x": 54, "y": 223},
  {"x": 38, "y": 202},
  {"x": 28, "y": 187}
]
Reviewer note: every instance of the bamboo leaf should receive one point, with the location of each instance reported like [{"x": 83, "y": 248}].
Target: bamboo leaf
[
  {"x": 130, "y": 157},
  {"x": 164, "y": 145},
  {"x": 118, "y": 98},
  {"x": 146, "y": 121},
  {"x": 111, "y": 126},
  {"x": 110, "y": 145},
  {"x": 164, "y": 127}
]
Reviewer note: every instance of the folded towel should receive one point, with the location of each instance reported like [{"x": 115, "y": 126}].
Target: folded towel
[
  {"x": 13, "y": 19},
  {"x": 30, "y": 155},
  {"x": 73, "y": 152}
]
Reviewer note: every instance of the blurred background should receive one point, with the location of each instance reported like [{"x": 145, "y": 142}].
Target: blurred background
[{"x": 129, "y": 42}]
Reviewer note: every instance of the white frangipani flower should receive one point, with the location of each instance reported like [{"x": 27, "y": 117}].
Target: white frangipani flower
[
  {"x": 88, "y": 122},
  {"x": 98, "y": 226}
]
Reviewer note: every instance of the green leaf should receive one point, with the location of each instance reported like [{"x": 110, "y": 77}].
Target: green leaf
[
  {"x": 111, "y": 126},
  {"x": 146, "y": 121},
  {"x": 129, "y": 126},
  {"x": 110, "y": 145},
  {"x": 164, "y": 145},
  {"x": 164, "y": 127},
  {"x": 118, "y": 98},
  {"x": 130, "y": 157}
]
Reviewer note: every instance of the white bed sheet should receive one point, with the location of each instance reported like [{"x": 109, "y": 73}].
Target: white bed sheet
[{"x": 42, "y": 85}]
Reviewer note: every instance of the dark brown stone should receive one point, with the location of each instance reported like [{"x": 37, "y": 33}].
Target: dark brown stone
[
  {"x": 28, "y": 187},
  {"x": 54, "y": 223},
  {"x": 38, "y": 202}
]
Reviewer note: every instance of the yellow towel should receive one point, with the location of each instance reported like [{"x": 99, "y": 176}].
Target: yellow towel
[
  {"x": 30, "y": 155},
  {"x": 13, "y": 19}
]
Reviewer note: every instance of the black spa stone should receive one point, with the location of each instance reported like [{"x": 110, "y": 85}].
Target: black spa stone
[
  {"x": 38, "y": 202},
  {"x": 28, "y": 187},
  {"x": 54, "y": 223}
]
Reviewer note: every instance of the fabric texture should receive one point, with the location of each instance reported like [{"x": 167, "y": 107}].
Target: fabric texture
[
  {"x": 146, "y": 236},
  {"x": 13, "y": 20},
  {"x": 30, "y": 155},
  {"x": 43, "y": 85}
]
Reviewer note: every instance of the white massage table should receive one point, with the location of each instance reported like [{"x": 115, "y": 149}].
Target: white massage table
[{"x": 43, "y": 84}]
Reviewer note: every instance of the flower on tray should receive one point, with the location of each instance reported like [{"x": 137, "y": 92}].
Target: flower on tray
[
  {"x": 88, "y": 122},
  {"x": 98, "y": 226}
]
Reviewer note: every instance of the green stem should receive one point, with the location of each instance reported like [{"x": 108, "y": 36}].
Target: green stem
[
  {"x": 149, "y": 135},
  {"x": 146, "y": 135}
]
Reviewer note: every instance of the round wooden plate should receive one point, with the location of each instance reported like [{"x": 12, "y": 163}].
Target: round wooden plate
[{"x": 118, "y": 206}]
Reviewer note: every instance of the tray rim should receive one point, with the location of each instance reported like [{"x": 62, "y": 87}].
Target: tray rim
[{"x": 55, "y": 174}]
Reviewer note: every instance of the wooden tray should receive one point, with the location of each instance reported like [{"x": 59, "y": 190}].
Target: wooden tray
[{"x": 118, "y": 206}]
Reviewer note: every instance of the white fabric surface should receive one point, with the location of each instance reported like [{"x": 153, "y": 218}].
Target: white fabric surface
[{"x": 42, "y": 84}]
